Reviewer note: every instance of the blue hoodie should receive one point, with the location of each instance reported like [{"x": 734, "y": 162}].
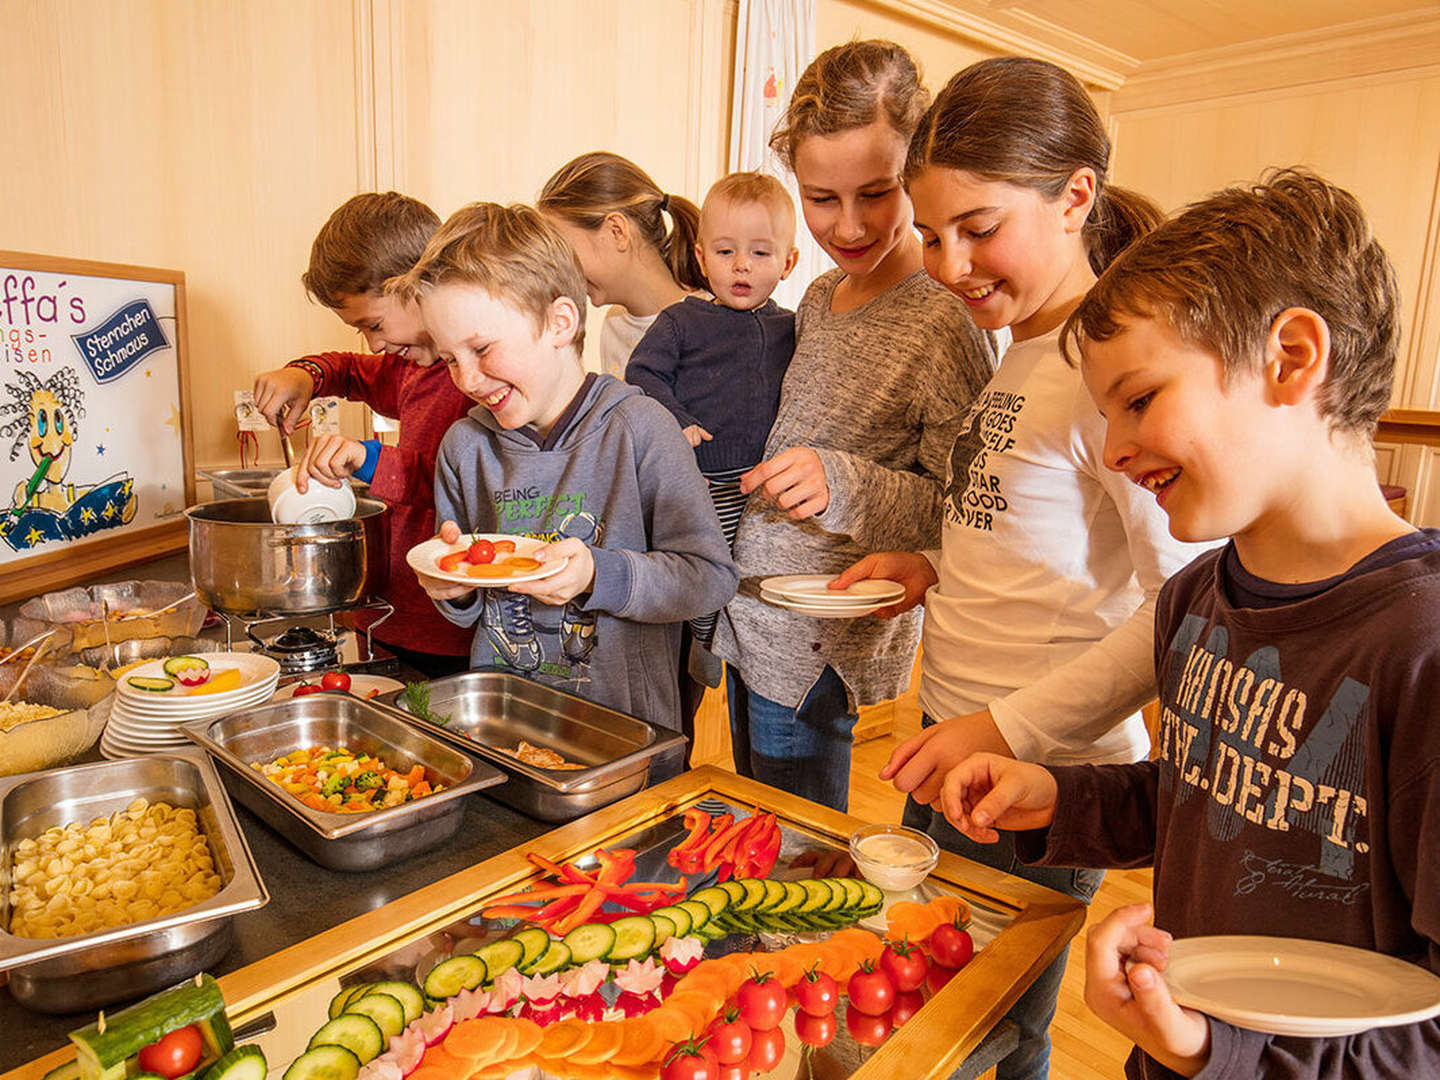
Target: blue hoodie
[{"x": 616, "y": 472}]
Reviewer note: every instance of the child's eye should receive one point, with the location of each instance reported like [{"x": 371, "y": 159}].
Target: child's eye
[
  {"x": 818, "y": 199},
  {"x": 929, "y": 241},
  {"x": 1138, "y": 405},
  {"x": 988, "y": 232},
  {"x": 876, "y": 194}
]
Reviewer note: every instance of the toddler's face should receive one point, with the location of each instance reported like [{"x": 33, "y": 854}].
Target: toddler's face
[
  {"x": 1209, "y": 449},
  {"x": 851, "y": 196},
  {"x": 388, "y": 325},
  {"x": 744, "y": 252},
  {"x": 497, "y": 356}
]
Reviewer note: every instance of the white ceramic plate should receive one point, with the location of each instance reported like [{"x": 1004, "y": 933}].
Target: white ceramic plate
[
  {"x": 424, "y": 558},
  {"x": 812, "y": 589},
  {"x": 1292, "y": 986},
  {"x": 828, "y": 611},
  {"x": 255, "y": 669},
  {"x": 360, "y": 685},
  {"x": 178, "y": 710}
]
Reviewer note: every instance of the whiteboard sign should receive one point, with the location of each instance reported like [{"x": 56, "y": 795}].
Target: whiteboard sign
[{"x": 94, "y": 447}]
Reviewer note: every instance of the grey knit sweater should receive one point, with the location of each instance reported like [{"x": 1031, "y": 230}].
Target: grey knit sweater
[{"x": 878, "y": 392}]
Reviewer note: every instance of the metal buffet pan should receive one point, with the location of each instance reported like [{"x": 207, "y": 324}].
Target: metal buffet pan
[
  {"x": 73, "y": 974},
  {"x": 261, "y": 734},
  {"x": 488, "y": 710}
]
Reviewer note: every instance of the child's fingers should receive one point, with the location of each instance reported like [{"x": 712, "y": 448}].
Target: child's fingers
[
  {"x": 1180, "y": 1032},
  {"x": 1109, "y": 943},
  {"x": 904, "y": 752},
  {"x": 450, "y": 532},
  {"x": 859, "y": 571}
]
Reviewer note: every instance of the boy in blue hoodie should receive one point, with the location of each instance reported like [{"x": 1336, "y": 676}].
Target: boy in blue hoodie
[{"x": 581, "y": 460}]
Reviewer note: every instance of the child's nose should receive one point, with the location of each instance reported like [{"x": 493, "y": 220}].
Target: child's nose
[
  {"x": 1119, "y": 448},
  {"x": 954, "y": 263},
  {"x": 374, "y": 342}
]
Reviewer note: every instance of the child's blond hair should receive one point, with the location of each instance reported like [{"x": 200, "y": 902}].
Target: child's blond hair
[
  {"x": 1224, "y": 268},
  {"x": 371, "y": 238},
  {"x": 511, "y": 252},
  {"x": 754, "y": 187}
]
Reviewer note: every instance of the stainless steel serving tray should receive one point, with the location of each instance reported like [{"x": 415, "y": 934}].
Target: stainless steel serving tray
[
  {"x": 90, "y": 970},
  {"x": 262, "y": 733},
  {"x": 491, "y": 709}
]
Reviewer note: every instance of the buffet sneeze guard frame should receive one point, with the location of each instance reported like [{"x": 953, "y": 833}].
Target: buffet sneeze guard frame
[{"x": 1034, "y": 924}]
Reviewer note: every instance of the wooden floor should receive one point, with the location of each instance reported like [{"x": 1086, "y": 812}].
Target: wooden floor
[{"x": 1083, "y": 1047}]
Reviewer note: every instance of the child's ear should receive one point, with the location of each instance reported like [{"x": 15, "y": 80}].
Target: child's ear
[
  {"x": 1078, "y": 198},
  {"x": 1297, "y": 355},
  {"x": 700, "y": 259},
  {"x": 616, "y": 228},
  {"x": 790, "y": 262},
  {"x": 562, "y": 321}
]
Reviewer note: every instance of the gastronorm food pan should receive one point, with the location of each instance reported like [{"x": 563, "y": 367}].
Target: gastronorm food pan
[
  {"x": 72, "y": 974},
  {"x": 361, "y": 841},
  {"x": 492, "y": 709}
]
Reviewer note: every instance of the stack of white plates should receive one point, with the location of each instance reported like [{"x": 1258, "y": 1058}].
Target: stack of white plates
[
  {"x": 146, "y": 722},
  {"x": 809, "y": 594}
]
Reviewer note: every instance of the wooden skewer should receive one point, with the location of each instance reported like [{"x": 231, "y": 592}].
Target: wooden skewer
[{"x": 39, "y": 652}]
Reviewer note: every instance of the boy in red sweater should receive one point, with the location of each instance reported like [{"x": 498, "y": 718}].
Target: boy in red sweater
[{"x": 369, "y": 239}]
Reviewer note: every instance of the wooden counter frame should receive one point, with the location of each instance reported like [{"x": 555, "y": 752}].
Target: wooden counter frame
[{"x": 1044, "y": 922}]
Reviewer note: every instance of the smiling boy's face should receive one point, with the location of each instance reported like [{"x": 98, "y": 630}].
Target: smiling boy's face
[
  {"x": 388, "y": 325},
  {"x": 524, "y": 374},
  {"x": 1214, "y": 452}
]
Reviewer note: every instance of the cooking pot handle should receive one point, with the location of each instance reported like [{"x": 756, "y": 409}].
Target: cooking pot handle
[{"x": 310, "y": 541}]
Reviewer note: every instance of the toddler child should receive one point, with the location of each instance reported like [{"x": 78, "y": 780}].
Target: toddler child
[
  {"x": 1241, "y": 356},
  {"x": 370, "y": 238},
  {"x": 581, "y": 460},
  {"x": 717, "y": 364}
]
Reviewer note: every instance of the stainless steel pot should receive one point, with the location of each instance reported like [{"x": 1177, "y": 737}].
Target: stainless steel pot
[{"x": 244, "y": 564}]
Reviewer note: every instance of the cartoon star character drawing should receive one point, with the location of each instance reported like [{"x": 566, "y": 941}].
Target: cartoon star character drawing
[{"x": 42, "y": 415}]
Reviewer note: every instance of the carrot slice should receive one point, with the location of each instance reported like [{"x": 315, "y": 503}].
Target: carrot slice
[
  {"x": 951, "y": 907},
  {"x": 641, "y": 1042},
  {"x": 646, "y": 1071},
  {"x": 672, "y": 1025},
  {"x": 435, "y": 1072},
  {"x": 437, "y": 1057},
  {"x": 700, "y": 1006},
  {"x": 562, "y": 1039},
  {"x": 604, "y": 1041},
  {"x": 711, "y": 980},
  {"x": 474, "y": 1040},
  {"x": 527, "y": 1036}
]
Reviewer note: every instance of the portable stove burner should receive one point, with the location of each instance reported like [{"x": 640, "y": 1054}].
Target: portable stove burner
[
  {"x": 318, "y": 642},
  {"x": 301, "y": 648}
]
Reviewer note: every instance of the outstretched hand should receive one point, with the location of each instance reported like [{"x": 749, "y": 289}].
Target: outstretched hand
[
  {"x": 909, "y": 569},
  {"x": 919, "y": 764},
  {"x": 440, "y": 588},
  {"x": 986, "y": 792},
  {"x": 793, "y": 479}
]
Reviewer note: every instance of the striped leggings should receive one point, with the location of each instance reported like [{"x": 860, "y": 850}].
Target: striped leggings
[{"x": 729, "y": 504}]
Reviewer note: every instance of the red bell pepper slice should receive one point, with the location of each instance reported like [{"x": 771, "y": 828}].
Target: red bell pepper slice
[
  {"x": 615, "y": 866},
  {"x": 716, "y": 846},
  {"x": 698, "y": 822},
  {"x": 765, "y": 862},
  {"x": 552, "y": 892},
  {"x": 509, "y": 911},
  {"x": 589, "y": 904}
]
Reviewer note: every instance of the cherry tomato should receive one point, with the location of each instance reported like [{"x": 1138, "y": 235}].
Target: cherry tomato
[
  {"x": 506, "y": 547},
  {"x": 870, "y": 990},
  {"x": 691, "y": 1061},
  {"x": 306, "y": 688},
  {"x": 174, "y": 1055},
  {"x": 905, "y": 965},
  {"x": 335, "y": 680},
  {"x": 766, "y": 1049},
  {"x": 817, "y": 993},
  {"x": 729, "y": 1038},
  {"x": 815, "y": 1030},
  {"x": 865, "y": 1029},
  {"x": 481, "y": 551},
  {"x": 907, "y": 1004},
  {"x": 951, "y": 945},
  {"x": 740, "y": 1071},
  {"x": 762, "y": 1002},
  {"x": 938, "y": 976}
]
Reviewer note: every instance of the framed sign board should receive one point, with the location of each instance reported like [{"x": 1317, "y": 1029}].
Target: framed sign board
[{"x": 95, "y": 448}]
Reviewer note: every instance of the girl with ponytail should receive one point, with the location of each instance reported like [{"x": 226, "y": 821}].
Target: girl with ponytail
[
  {"x": 635, "y": 242},
  {"x": 1040, "y": 605}
]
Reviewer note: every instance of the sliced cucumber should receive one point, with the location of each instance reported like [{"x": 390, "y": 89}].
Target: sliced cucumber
[
  {"x": 589, "y": 941},
  {"x": 406, "y": 994},
  {"x": 873, "y": 897},
  {"x": 664, "y": 928},
  {"x": 709, "y": 932},
  {"x": 66, "y": 1070},
  {"x": 854, "y": 894},
  {"x": 347, "y": 993},
  {"x": 774, "y": 894},
  {"x": 754, "y": 893},
  {"x": 634, "y": 938},
  {"x": 698, "y": 912},
  {"x": 387, "y": 1013},
  {"x": 156, "y": 685},
  {"x": 734, "y": 890},
  {"x": 324, "y": 1063},
  {"x": 677, "y": 916},
  {"x": 795, "y": 896},
  {"x": 716, "y": 899},
  {"x": 178, "y": 665},
  {"x": 500, "y": 957},
  {"x": 837, "y": 894},
  {"x": 553, "y": 959},
  {"x": 242, "y": 1063},
  {"x": 534, "y": 941},
  {"x": 817, "y": 894},
  {"x": 449, "y": 977},
  {"x": 358, "y": 1034}
]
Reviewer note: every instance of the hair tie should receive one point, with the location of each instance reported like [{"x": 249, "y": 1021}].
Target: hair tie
[{"x": 664, "y": 202}]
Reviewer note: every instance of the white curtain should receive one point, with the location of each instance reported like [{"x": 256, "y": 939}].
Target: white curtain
[{"x": 775, "y": 41}]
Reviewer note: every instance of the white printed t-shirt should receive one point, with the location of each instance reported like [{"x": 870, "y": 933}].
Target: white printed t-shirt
[{"x": 1049, "y": 569}]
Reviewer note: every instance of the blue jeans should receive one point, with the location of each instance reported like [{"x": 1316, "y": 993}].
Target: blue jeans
[
  {"x": 805, "y": 750},
  {"x": 1036, "y": 1008}
]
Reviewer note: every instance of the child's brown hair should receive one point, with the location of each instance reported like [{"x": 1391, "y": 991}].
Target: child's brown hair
[
  {"x": 755, "y": 187},
  {"x": 851, "y": 86},
  {"x": 585, "y": 190},
  {"x": 1027, "y": 122},
  {"x": 511, "y": 252},
  {"x": 1222, "y": 270},
  {"x": 371, "y": 238}
]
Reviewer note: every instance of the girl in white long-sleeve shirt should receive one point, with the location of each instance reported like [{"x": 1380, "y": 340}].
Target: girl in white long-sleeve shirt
[{"x": 1039, "y": 606}]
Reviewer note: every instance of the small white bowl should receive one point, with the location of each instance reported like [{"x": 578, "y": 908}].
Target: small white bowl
[
  {"x": 320, "y": 502},
  {"x": 894, "y": 857}
]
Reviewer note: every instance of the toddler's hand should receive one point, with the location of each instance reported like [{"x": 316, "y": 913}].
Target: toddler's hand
[
  {"x": 907, "y": 568},
  {"x": 439, "y": 588},
  {"x": 330, "y": 459},
  {"x": 988, "y": 790},
  {"x": 695, "y": 435},
  {"x": 286, "y": 389},
  {"x": 1124, "y": 956},
  {"x": 794, "y": 479},
  {"x": 919, "y": 764},
  {"x": 576, "y": 578}
]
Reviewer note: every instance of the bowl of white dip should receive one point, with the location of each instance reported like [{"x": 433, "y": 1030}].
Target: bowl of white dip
[{"x": 894, "y": 857}]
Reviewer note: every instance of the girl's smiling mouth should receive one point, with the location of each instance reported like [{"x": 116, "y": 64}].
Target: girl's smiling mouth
[{"x": 1158, "y": 481}]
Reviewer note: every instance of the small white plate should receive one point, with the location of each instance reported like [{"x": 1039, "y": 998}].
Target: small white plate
[
  {"x": 424, "y": 559},
  {"x": 1294, "y": 986},
  {"x": 813, "y": 589},
  {"x": 360, "y": 685},
  {"x": 824, "y": 612},
  {"x": 255, "y": 669}
]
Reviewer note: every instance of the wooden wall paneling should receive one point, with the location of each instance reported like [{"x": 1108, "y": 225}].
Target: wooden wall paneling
[
  {"x": 1422, "y": 384},
  {"x": 938, "y": 44}
]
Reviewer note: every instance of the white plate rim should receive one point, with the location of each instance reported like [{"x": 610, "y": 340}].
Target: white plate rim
[
  {"x": 422, "y": 559},
  {"x": 357, "y": 684},
  {"x": 1364, "y": 968},
  {"x": 821, "y": 612},
  {"x": 787, "y": 585},
  {"x": 255, "y": 668}
]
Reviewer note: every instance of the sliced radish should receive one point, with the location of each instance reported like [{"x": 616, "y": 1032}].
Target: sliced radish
[{"x": 436, "y": 1024}]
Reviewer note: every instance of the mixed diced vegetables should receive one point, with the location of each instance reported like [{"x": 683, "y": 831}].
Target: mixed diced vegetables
[{"x": 343, "y": 781}]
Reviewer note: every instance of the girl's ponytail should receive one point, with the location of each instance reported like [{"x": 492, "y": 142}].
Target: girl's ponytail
[
  {"x": 678, "y": 247},
  {"x": 1028, "y": 122}
]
